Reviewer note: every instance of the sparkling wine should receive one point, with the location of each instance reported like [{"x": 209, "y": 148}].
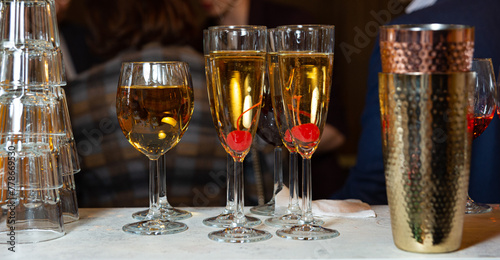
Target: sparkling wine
[
  {"x": 480, "y": 124},
  {"x": 210, "y": 88},
  {"x": 268, "y": 129},
  {"x": 153, "y": 119},
  {"x": 306, "y": 79},
  {"x": 237, "y": 80},
  {"x": 276, "y": 93}
]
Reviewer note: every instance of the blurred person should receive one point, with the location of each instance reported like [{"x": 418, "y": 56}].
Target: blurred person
[
  {"x": 76, "y": 53},
  {"x": 328, "y": 175},
  {"x": 61, "y": 8},
  {"x": 113, "y": 172},
  {"x": 366, "y": 180},
  {"x": 254, "y": 12}
]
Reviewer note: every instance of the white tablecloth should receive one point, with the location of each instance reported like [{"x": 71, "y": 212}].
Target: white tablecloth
[{"x": 98, "y": 235}]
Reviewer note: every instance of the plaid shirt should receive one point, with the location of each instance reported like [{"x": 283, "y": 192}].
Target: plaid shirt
[{"x": 116, "y": 174}]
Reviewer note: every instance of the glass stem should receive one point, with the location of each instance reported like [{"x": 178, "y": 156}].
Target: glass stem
[
  {"x": 278, "y": 172},
  {"x": 307, "y": 216},
  {"x": 154, "y": 189},
  {"x": 230, "y": 207},
  {"x": 238, "y": 191},
  {"x": 293, "y": 204},
  {"x": 162, "y": 165}
]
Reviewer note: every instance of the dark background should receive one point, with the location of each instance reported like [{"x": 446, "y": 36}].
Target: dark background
[{"x": 355, "y": 34}]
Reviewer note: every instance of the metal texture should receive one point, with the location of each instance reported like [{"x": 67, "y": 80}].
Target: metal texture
[
  {"x": 426, "y": 48},
  {"x": 426, "y": 146}
]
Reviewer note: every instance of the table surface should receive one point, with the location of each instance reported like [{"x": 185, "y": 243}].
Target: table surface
[{"x": 98, "y": 235}]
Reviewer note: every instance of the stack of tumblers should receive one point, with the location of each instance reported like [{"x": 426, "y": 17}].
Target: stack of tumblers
[{"x": 37, "y": 150}]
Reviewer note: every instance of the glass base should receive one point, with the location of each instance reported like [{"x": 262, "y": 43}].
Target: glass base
[
  {"x": 225, "y": 221},
  {"x": 264, "y": 209},
  {"x": 154, "y": 227},
  {"x": 473, "y": 207},
  {"x": 289, "y": 220},
  {"x": 307, "y": 232},
  {"x": 239, "y": 235},
  {"x": 70, "y": 218},
  {"x": 31, "y": 236},
  {"x": 166, "y": 214}
]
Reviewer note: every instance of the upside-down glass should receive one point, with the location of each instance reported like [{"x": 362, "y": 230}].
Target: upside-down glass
[
  {"x": 32, "y": 132},
  {"x": 29, "y": 142},
  {"x": 30, "y": 23},
  {"x": 66, "y": 156},
  {"x": 227, "y": 216},
  {"x": 154, "y": 104},
  {"x": 305, "y": 58},
  {"x": 237, "y": 58},
  {"x": 484, "y": 111},
  {"x": 293, "y": 214},
  {"x": 31, "y": 182}
]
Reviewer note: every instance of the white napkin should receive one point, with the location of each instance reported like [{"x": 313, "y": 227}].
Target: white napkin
[{"x": 350, "y": 208}]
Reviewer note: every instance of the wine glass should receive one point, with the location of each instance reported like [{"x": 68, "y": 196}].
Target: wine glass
[
  {"x": 154, "y": 104},
  {"x": 293, "y": 214},
  {"x": 166, "y": 210},
  {"x": 225, "y": 219},
  {"x": 498, "y": 94},
  {"x": 268, "y": 131},
  {"x": 305, "y": 58},
  {"x": 237, "y": 66},
  {"x": 484, "y": 111}
]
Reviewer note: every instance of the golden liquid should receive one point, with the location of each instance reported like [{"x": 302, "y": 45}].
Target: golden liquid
[
  {"x": 238, "y": 78},
  {"x": 306, "y": 79},
  {"x": 277, "y": 99},
  {"x": 153, "y": 119},
  {"x": 210, "y": 89}
]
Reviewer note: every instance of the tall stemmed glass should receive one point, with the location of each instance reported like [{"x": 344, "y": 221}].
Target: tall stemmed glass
[
  {"x": 484, "y": 111},
  {"x": 293, "y": 215},
  {"x": 154, "y": 104},
  {"x": 497, "y": 86},
  {"x": 269, "y": 132},
  {"x": 305, "y": 58},
  {"x": 225, "y": 219},
  {"x": 167, "y": 211},
  {"x": 237, "y": 58}
]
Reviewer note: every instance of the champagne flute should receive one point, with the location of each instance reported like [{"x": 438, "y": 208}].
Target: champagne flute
[
  {"x": 268, "y": 131},
  {"x": 305, "y": 58},
  {"x": 225, "y": 219},
  {"x": 237, "y": 66},
  {"x": 293, "y": 209},
  {"x": 293, "y": 214},
  {"x": 154, "y": 104},
  {"x": 484, "y": 111}
]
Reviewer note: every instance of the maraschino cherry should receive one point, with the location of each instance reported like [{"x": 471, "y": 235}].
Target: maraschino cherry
[
  {"x": 306, "y": 133},
  {"x": 239, "y": 140},
  {"x": 288, "y": 136}
]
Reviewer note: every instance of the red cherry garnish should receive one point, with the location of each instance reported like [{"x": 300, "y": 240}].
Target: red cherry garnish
[
  {"x": 306, "y": 133},
  {"x": 239, "y": 141},
  {"x": 288, "y": 137}
]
